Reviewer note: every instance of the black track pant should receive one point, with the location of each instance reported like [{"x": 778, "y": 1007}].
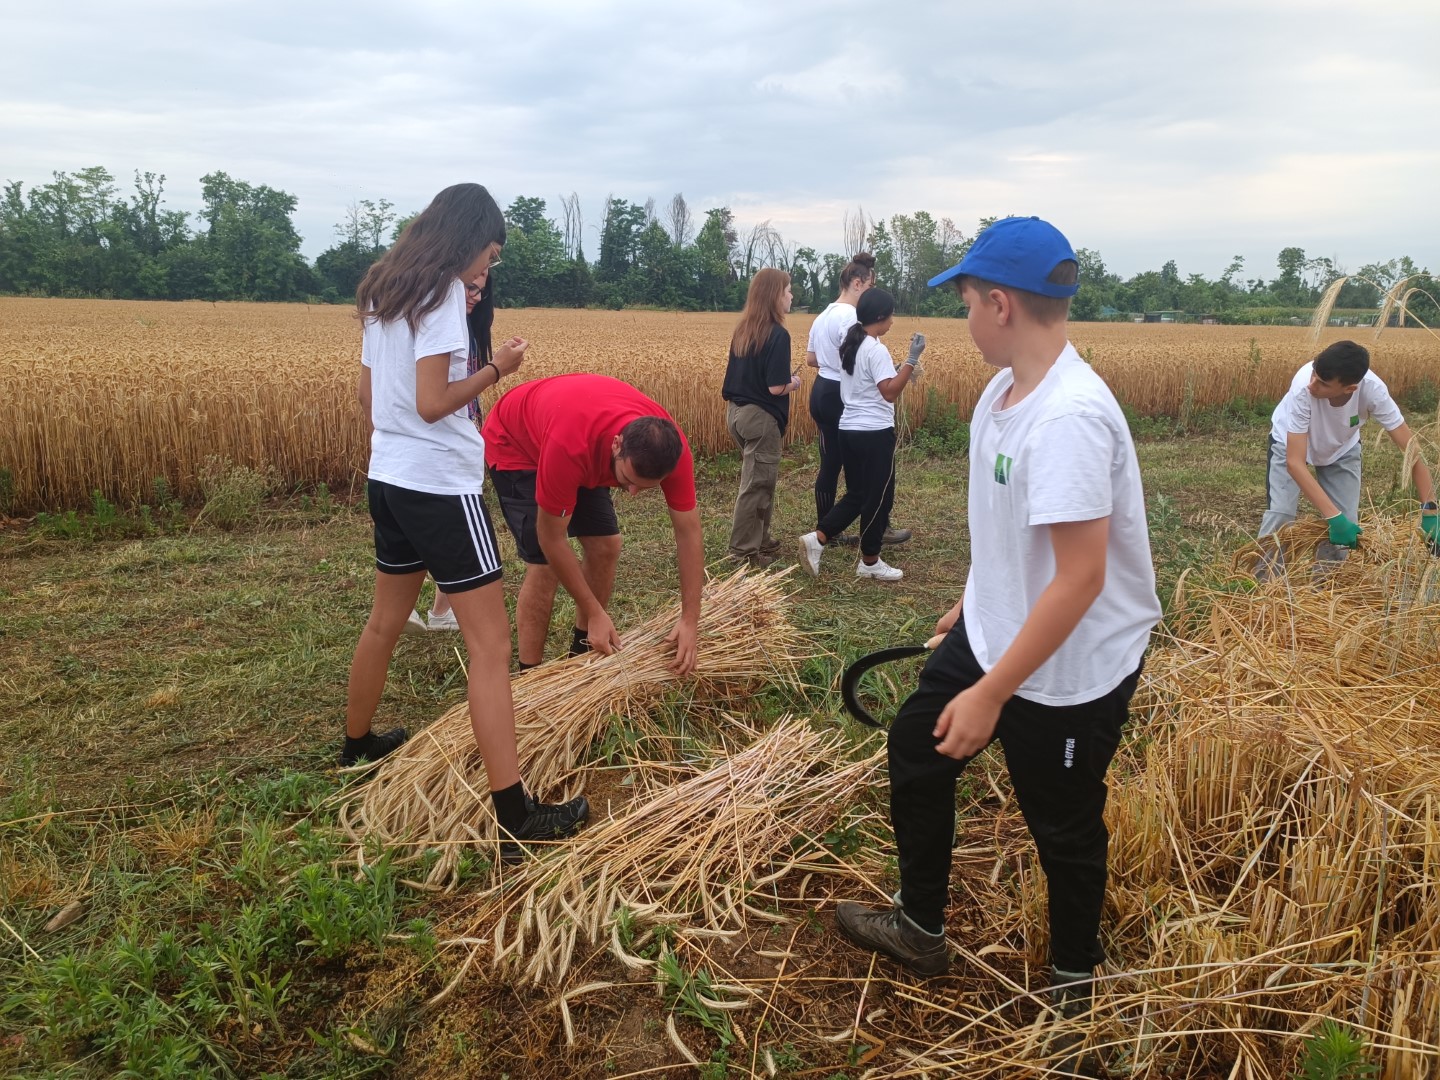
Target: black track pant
[
  {"x": 869, "y": 487},
  {"x": 825, "y": 409},
  {"x": 1057, "y": 757}
]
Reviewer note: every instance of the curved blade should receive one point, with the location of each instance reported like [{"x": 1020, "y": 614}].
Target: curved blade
[{"x": 850, "y": 681}]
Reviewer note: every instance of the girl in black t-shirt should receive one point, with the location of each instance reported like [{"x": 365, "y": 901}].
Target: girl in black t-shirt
[{"x": 758, "y": 385}]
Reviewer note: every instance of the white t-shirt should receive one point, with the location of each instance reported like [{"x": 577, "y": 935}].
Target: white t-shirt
[
  {"x": 1333, "y": 429},
  {"x": 443, "y": 458},
  {"x": 865, "y": 409},
  {"x": 1062, "y": 454},
  {"x": 826, "y": 333}
]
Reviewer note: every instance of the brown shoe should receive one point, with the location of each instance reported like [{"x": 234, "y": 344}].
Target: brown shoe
[
  {"x": 896, "y": 536},
  {"x": 892, "y": 932}
]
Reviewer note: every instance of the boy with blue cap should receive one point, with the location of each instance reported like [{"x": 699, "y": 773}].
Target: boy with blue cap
[{"x": 1045, "y": 647}]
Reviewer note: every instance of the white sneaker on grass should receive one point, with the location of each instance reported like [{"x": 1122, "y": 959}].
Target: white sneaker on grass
[
  {"x": 446, "y": 621},
  {"x": 414, "y": 624},
  {"x": 810, "y": 550},
  {"x": 880, "y": 570}
]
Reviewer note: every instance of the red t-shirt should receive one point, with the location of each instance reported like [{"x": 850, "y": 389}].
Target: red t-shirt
[{"x": 562, "y": 428}]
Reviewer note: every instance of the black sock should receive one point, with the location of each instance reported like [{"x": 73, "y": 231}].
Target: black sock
[
  {"x": 579, "y": 642},
  {"x": 360, "y": 745},
  {"x": 510, "y": 809}
]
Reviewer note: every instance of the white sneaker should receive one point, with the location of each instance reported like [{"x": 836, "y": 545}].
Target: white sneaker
[
  {"x": 879, "y": 570},
  {"x": 810, "y": 549},
  {"x": 414, "y": 624},
  {"x": 443, "y": 622}
]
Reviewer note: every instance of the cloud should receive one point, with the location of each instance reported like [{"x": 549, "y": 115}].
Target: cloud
[{"x": 1148, "y": 131}]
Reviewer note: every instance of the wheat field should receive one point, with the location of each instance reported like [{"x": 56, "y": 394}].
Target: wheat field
[{"x": 108, "y": 395}]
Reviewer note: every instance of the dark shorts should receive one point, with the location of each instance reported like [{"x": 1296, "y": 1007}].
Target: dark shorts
[
  {"x": 448, "y": 535},
  {"x": 594, "y": 512}
]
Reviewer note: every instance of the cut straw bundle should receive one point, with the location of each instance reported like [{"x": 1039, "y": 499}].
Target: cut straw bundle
[
  {"x": 693, "y": 856},
  {"x": 432, "y": 792},
  {"x": 1277, "y": 858}
]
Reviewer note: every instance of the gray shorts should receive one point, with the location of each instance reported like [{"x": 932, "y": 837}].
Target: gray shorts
[{"x": 1340, "y": 480}]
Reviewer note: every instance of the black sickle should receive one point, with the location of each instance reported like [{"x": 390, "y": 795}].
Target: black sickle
[{"x": 856, "y": 671}]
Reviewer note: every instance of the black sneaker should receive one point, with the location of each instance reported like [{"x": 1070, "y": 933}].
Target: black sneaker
[
  {"x": 545, "y": 821},
  {"x": 896, "y": 536},
  {"x": 892, "y": 932},
  {"x": 370, "y": 747}
]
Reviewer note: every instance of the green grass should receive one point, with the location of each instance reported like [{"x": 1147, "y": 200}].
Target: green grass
[{"x": 171, "y": 704}]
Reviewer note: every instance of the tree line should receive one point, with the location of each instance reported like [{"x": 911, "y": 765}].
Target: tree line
[{"x": 79, "y": 235}]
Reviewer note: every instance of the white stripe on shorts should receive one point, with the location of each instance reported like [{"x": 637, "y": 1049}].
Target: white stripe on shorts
[{"x": 480, "y": 536}]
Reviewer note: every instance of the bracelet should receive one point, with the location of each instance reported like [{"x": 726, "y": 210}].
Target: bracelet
[{"x": 491, "y": 364}]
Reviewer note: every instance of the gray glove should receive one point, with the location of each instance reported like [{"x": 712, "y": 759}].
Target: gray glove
[{"x": 917, "y": 346}]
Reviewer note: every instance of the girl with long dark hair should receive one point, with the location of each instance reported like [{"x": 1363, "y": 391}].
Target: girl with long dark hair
[
  {"x": 869, "y": 386},
  {"x": 427, "y": 465},
  {"x": 758, "y": 385}
]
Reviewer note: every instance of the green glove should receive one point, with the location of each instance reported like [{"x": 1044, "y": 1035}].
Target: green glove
[
  {"x": 1344, "y": 532},
  {"x": 1430, "y": 526}
]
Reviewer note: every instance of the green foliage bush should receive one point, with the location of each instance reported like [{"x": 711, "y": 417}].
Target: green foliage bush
[{"x": 232, "y": 492}]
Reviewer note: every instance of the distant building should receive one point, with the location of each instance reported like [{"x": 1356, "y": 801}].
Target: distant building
[{"x": 1164, "y": 316}]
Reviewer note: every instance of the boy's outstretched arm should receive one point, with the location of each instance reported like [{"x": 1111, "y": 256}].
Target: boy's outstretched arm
[
  {"x": 1296, "y": 446},
  {"x": 1419, "y": 472},
  {"x": 690, "y": 557},
  {"x": 967, "y": 723}
]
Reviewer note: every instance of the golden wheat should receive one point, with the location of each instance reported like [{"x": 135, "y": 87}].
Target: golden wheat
[{"x": 109, "y": 395}]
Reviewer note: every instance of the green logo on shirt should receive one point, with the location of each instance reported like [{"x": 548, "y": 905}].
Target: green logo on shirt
[
  {"x": 1002, "y": 468},
  {"x": 1355, "y": 421}
]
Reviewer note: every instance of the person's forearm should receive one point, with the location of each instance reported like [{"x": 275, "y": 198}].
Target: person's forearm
[
  {"x": 1311, "y": 489},
  {"x": 811, "y": 360},
  {"x": 892, "y": 387},
  {"x": 550, "y": 532},
  {"x": 690, "y": 557},
  {"x": 1424, "y": 481},
  {"x": 1056, "y": 613},
  {"x": 455, "y": 395}
]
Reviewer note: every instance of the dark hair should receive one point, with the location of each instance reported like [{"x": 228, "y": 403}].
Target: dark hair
[
  {"x": 480, "y": 319},
  {"x": 652, "y": 445},
  {"x": 860, "y": 267},
  {"x": 876, "y": 305},
  {"x": 412, "y": 279},
  {"x": 1345, "y": 360},
  {"x": 1046, "y": 310}
]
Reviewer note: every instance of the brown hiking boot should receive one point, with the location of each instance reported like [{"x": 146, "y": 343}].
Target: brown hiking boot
[{"x": 892, "y": 932}]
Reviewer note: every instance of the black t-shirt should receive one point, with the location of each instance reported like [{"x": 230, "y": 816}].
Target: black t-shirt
[{"x": 748, "y": 378}]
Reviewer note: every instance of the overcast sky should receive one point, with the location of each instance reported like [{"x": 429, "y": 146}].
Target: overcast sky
[{"x": 1147, "y": 130}]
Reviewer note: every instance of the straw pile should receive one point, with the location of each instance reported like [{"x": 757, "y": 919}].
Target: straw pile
[
  {"x": 432, "y": 793},
  {"x": 1276, "y": 860},
  {"x": 697, "y": 856}
]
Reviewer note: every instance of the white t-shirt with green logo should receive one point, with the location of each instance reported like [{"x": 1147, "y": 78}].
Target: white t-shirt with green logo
[
  {"x": 1062, "y": 454},
  {"x": 1333, "y": 429}
]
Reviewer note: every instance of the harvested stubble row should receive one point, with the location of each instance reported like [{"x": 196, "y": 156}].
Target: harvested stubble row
[
  {"x": 695, "y": 856},
  {"x": 432, "y": 792},
  {"x": 1277, "y": 858}
]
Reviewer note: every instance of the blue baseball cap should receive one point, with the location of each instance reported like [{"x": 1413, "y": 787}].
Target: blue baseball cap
[{"x": 1019, "y": 252}]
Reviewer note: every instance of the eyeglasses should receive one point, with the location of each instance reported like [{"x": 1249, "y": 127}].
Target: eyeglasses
[{"x": 474, "y": 290}]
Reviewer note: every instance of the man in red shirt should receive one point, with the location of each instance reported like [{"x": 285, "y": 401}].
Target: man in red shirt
[{"x": 554, "y": 448}]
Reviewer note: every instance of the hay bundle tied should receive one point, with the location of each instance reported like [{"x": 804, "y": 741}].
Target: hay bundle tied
[{"x": 432, "y": 792}]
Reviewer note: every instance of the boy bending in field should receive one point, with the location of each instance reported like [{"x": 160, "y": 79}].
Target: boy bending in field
[
  {"x": 1045, "y": 647},
  {"x": 1317, "y": 424}
]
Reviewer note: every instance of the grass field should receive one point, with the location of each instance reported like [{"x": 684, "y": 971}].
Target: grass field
[
  {"x": 110, "y": 395},
  {"x": 171, "y": 705}
]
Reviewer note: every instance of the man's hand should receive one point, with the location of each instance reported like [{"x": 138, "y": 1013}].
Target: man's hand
[
  {"x": 1343, "y": 532},
  {"x": 950, "y": 618},
  {"x": 683, "y": 637},
  {"x": 601, "y": 633},
  {"x": 967, "y": 723}
]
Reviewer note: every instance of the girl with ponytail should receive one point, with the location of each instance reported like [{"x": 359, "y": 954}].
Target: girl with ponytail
[{"x": 869, "y": 387}]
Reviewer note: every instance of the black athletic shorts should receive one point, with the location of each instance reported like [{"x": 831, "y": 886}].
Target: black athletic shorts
[
  {"x": 594, "y": 512},
  {"x": 449, "y": 535}
]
